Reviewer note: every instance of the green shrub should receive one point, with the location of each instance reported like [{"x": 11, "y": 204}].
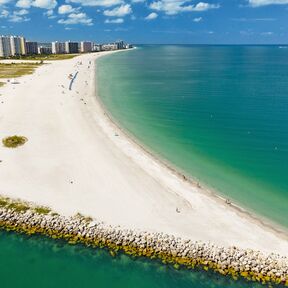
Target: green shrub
[
  {"x": 3, "y": 202},
  {"x": 18, "y": 207},
  {"x": 42, "y": 210},
  {"x": 14, "y": 141}
]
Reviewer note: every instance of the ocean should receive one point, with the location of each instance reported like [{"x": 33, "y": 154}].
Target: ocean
[
  {"x": 46, "y": 263},
  {"x": 217, "y": 113}
]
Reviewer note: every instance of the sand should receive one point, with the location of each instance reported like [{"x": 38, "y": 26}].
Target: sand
[{"x": 77, "y": 160}]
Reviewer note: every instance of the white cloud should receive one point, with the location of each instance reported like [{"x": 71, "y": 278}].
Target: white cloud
[
  {"x": 66, "y": 9},
  {"x": 114, "y": 21},
  {"x": 77, "y": 18},
  {"x": 44, "y": 4},
  {"x": 24, "y": 3},
  {"x": 103, "y": 3},
  {"x": 172, "y": 7},
  {"x": 137, "y": 1},
  {"x": 258, "y": 3},
  {"x": 151, "y": 16},
  {"x": 252, "y": 19},
  {"x": 21, "y": 12},
  {"x": 267, "y": 33},
  {"x": 202, "y": 6},
  {"x": 4, "y": 13},
  {"x": 120, "y": 11},
  {"x": 198, "y": 19},
  {"x": 50, "y": 14},
  {"x": 16, "y": 16},
  {"x": 2, "y": 2}
]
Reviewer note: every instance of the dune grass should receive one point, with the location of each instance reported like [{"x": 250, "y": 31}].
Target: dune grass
[
  {"x": 42, "y": 210},
  {"x": 14, "y": 70},
  {"x": 21, "y": 206},
  {"x": 2, "y": 84},
  {"x": 14, "y": 141}
]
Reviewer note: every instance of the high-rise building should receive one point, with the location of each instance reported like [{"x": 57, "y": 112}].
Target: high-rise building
[
  {"x": 5, "y": 46},
  {"x": 58, "y": 48},
  {"x": 86, "y": 47},
  {"x": 71, "y": 47},
  {"x": 15, "y": 44},
  {"x": 23, "y": 45},
  {"x": 120, "y": 44},
  {"x": 31, "y": 48},
  {"x": 96, "y": 47},
  {"x": 44, "y": 50}
]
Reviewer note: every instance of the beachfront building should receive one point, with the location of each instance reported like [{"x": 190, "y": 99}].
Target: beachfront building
[
  {"x": 23, "y": 45},
  {"x": 128, "y": 46},
  {"x": 5, "y": 46},
  {"x": 31, "y": 48},
  {"x": 44, "y": 50},
  {"x": 15, "y": 45},
  {"x": 58, "y": 48},
  {"x": 96, "y": 47},
  {"x": 71, "y": 47},
  {"x": 12, "y": 46},
  {"x": 86, "y": 47},
  {"x": 120, "y": 44},
  {"x": 109, "y": 47}
]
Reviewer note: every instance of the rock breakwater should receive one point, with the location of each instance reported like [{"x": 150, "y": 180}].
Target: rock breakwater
[{"x": 252, "y": 265}]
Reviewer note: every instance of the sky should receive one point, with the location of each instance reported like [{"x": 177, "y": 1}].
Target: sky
[{"x": 148, "y": 21}]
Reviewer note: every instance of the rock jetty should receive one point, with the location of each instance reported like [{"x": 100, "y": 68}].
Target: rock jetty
[{"x": 249, "y": 264}]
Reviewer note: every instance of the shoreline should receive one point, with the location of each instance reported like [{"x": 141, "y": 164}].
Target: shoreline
[
  {"x": 195, "y": 184},
  {"x": 67, "y": 171}
]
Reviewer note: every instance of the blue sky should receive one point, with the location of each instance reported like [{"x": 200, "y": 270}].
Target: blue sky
[{"x": 148, "y": 21}]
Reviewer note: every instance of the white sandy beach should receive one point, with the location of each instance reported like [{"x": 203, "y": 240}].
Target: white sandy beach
[{"x": 77, "y": 160}]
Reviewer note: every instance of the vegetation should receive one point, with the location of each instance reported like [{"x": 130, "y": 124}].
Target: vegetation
[
  {"x": 2, "y": 84},
  {"x": 47, "y": 57},
  {"x": 18, "y": 207},
  {"x": 14, "y": 70},
  {"x": 14, "y": 141},
  {"x": 42, "y": 210},
  {"x": 84, "y": 218}
]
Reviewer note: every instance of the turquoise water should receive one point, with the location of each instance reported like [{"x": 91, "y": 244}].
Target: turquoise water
[
  {"x": 44, "y": 263},
  {"x": 219, "y": 113}
]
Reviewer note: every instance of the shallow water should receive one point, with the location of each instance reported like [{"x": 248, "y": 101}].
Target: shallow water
[
  {"x": 219, "y": 113},
  {"x": 42, "y": 262}
]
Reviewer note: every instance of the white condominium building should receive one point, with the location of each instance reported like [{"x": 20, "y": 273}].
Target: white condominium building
[
  {"x": 86, "y": 47},
  {"x": 12, "y": 46},
  {"x": 58, "y": 48},
  {"x": 23, "y": 45},
  {"x": 5, "y": 46},
  {"x": 15, "y": 44}
]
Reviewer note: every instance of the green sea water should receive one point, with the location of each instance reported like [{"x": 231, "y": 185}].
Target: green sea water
[
  {"x": 45, "y": 263},
  {"x": 218, "y": 113}
]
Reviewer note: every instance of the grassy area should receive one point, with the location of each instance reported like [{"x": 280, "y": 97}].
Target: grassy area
[
  {"x": 47, "y": 57},
  {"x": 2, "y": 84},
  {"x": 14, "y": 141},
  {"x": 14, "y": 70},
  {"x": 42, "y": 210},
  {"x": 21, "y": 206}
]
